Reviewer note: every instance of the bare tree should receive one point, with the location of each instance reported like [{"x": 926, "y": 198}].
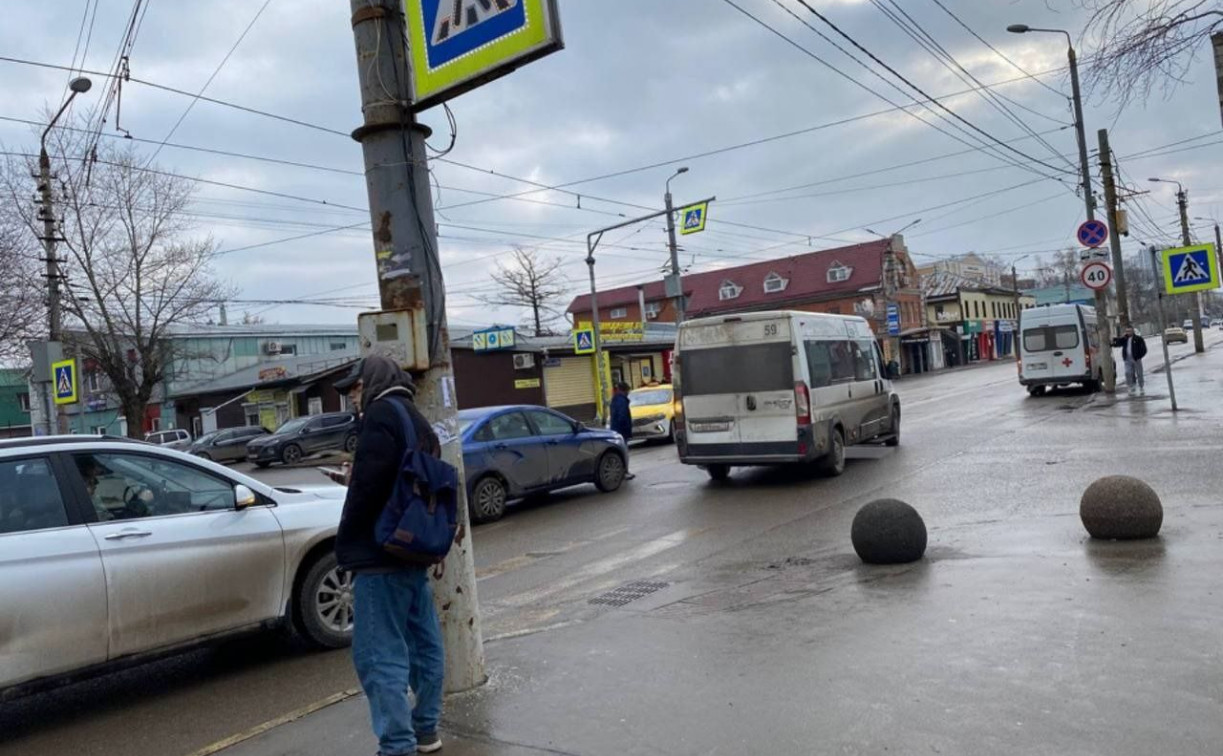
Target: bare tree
[
  {"x": 22, "y": 312},
  {"x": 134, "y": 271},
  {"x": 1145, "y": 45},
  {"x": 531, "y": 282},
  {"x": 1061, "y": 270}
]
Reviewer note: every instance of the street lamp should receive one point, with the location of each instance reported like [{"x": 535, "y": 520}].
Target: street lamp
[
  {"x": 674, "y": 282},
  {"x": 79, "y": 85},
  {"x": 902, "y": 229},
  {"x": 1078, "y": 108}
]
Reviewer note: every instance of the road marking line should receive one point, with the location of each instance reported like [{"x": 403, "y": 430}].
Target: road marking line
[
  {"x": 599, "y": 568},
  {"x": 271, "y": 724},
  {"x": 523, "y": 560}
]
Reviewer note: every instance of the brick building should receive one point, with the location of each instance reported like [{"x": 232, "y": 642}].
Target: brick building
[{"x": 862, "y": 279}]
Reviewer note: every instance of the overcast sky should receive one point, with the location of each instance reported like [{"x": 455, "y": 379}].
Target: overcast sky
[{"x": 639, "y": 82}]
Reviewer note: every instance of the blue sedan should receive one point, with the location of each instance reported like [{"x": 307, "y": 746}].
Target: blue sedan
[{"x": 511, "y": 452}]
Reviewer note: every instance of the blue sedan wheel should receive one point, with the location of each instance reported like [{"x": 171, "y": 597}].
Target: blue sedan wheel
[
  {"x": 610, "y": 473},
  {"x": 487, "y": 500}
]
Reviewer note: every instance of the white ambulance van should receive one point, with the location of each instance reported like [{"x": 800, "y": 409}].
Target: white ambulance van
[
  {"x": 1058, "y": 346},
  {"x": 772, "y": 388}
]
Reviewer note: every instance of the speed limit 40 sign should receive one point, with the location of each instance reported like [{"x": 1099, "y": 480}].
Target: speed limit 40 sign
[{"x": 1096, "y": 275}]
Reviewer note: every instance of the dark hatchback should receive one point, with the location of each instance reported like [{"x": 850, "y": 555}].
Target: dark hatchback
[
  {"x": 330, "y": 431},
  {"x": 512, "y": 452}
]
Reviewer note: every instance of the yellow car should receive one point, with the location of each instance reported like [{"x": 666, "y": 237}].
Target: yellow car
[{"x": 653, "y": 410}]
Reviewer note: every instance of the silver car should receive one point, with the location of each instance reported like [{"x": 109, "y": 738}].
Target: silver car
[
  {"x": 112, "y": 551},
  {"x": 174, "y": 438}
]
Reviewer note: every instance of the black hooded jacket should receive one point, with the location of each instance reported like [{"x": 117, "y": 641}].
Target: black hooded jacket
[{"x": 380, "y": 449}]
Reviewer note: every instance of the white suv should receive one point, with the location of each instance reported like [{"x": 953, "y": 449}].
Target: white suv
[{"x": 114, "y": 550}]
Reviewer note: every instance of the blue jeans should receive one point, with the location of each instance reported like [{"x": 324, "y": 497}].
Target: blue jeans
[{"x": 397, "y": 644}]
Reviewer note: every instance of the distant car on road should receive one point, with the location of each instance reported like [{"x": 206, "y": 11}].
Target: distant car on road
[
  {"x": 1174, "y": 335},
  {"x": 1187, "y": 325},
  {"x": 227, "y": 445},
  {"x": 653, "y": 411},
  {"x": 174, "y": 438},
  {"x": 113, "y": 552},
  {"x": 330, "y": 431},
  {"x": 512, "y": 452}
]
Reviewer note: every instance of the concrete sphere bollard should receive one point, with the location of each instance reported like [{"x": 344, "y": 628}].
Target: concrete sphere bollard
[
  {"x": 888, "y": 531},
  {"x": 1120, "y": 507}
]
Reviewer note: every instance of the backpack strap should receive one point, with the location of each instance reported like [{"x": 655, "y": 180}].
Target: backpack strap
[{"x": 409, "y": 427}]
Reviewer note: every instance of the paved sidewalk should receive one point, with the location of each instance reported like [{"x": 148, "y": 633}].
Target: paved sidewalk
[{"x": 1015, "y": 635}]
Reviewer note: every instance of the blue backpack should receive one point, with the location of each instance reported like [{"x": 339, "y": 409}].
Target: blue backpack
[{"x": 419, "y": 522}]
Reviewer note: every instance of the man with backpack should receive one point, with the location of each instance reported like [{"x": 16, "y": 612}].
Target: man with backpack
[
  {"x": 397, "y": 640},
  {"x": 1133, "y": 349}
]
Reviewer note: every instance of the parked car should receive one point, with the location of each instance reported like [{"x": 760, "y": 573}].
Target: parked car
[
  {"x": 1174, "y": 335},
  {"x": 775, "y": 388},
  {"x": 512, "y": 452},
  {"x": 330, "y": 431},
  {"x": 227, "y": 445},
  {"x": 653, "y": 409},
  {"x": 115, "y": 551},
  {"x": 1058, "y": 347},
  {"x": 174, "y": 438}
]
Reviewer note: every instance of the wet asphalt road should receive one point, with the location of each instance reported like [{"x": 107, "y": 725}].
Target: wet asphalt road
[{"x": 967, "y": 435}]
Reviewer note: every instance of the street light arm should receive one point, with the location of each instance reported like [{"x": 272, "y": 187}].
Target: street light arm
[{"x": 43, "y": 141}]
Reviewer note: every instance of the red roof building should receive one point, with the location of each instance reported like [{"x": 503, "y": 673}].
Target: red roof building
[{"x": 862, "y": 279}]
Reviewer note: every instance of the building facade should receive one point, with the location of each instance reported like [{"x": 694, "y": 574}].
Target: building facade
[
  {"x": 864, "y": 279},
  {"x": 14, "y": 403},
  {"x": 979, "y": 322}
]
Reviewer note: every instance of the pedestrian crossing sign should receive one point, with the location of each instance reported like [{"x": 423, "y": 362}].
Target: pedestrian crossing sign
[
  {"x": 1190, "y": 269},
  {"x": 63, "y": 374},
  {"x": 584, "y": 341},
  {"x": 693, "y": 218}
]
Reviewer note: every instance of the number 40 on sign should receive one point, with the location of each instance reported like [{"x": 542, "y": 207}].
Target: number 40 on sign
[{"x": 1096, "y": 275}]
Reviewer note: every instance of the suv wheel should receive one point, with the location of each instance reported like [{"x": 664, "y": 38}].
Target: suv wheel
[
  {"x": 291, "y": 454},
  {"x": 323, "y": 605}
]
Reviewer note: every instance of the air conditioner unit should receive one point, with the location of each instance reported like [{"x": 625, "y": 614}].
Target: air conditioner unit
[
  {"x": 651, "y": 315},
  {"x": 271, "y": 347},
  {"x": 524, "y": 361}
]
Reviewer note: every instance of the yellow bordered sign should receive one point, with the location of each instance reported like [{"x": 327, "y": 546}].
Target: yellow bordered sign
[
  {"x": 457, "y": 45},
  {"x": 584, "y": 341},
  {"x": 692, "y": 218},
  {"x": 1190, "y": 269},
  {"x": 63, "y": 377}
]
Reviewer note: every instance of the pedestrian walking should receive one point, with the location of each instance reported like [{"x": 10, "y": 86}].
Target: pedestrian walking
[
  {"x": 1133, "y": 349},
  {"x": 397, "y": 640},
  {"x": 622, "y": 416}
]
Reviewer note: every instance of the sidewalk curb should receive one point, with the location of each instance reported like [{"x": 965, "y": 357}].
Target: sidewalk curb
[{"x": 271, "y": 724}]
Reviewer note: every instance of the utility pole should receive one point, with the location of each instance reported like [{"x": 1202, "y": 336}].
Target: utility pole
[
  {"x": 410, "y": 276},
  {"x": 1195, "y": 312},
  {"x": 675, "y": 274},
  {"x": 1163, "y": 325},
  {"x": 1114, "y": 237}
]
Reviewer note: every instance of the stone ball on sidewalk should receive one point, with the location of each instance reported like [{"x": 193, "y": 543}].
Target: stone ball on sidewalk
[
  {"x": 888, "y": 531},
  {"x": 1120, "y": 507}
]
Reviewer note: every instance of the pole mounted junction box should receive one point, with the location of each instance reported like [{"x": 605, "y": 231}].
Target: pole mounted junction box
[{"x": 399, "y": 334}]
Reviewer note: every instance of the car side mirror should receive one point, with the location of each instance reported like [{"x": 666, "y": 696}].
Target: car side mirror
[{"x": 244, "y": 497}]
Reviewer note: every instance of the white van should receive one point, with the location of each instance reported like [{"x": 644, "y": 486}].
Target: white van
[
  {"x": 1058, "y": 346},
  {"x": 780, "y": 387}
]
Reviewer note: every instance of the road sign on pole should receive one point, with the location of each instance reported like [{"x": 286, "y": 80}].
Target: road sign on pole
[
  {"x": 1092, "y": 233},
  {"x": 457, "y": 45},
  {"x": 584, "y": 341},
  {"x": 64, "y": 381},
  {"x": 893, "y": 320},
  {"x": 1096, "y": 275},
  {"x": 694, "y": 217},
  {"x": 1190, "y": 269}
]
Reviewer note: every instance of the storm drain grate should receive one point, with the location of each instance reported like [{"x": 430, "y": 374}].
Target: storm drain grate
[{"x": 628, "y": 592}]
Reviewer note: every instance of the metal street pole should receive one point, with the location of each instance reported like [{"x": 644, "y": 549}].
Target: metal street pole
[
  {"x": 1104, "y": 327},
  {"x": 410, "y": 276},
  {"x": 56, "y": 419},
  {"x": 679, "y": 296},
  {"x": 1114, "y": 237},
  {"x": 1195, "y": 311},
  {"x": 1163, "y": 325},
  {"x": 596, "y": 341}
]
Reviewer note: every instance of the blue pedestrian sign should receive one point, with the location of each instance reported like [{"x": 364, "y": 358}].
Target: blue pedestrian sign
[
  {"x": 584, "y": 341},
  {"x": 64, "y": 380},
  {"x": 1190, "y": 269},
  {"x": 893, "y": 320},
  {"x": 1093, "y": 233},
  {"x": 693, "y": 218}
]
